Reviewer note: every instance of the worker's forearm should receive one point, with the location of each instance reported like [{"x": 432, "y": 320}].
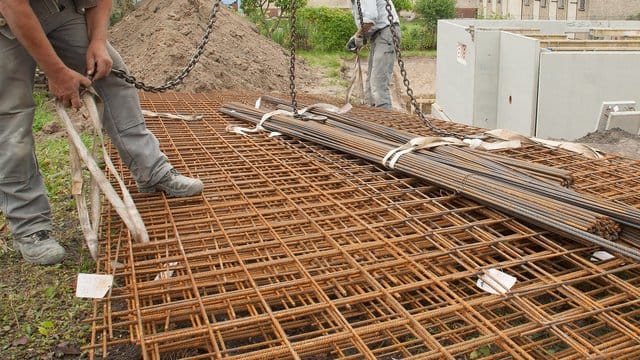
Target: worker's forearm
[
  {"x": 26, "y": 27},
  {"x": 98, "y": 20}
]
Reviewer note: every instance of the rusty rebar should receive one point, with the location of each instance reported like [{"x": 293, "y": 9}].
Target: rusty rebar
[{"x": 298, "y": 251}]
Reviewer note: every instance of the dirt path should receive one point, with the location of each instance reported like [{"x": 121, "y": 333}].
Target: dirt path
[{"x": 421, "y": 72}]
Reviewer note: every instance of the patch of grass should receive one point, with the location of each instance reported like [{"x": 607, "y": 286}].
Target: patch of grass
[
  {"x": 44, "y": 111},
  {"x": 482, "y": 351},
  {"x": 53, "y": 159},
  {"x": 40, "y": 317},
  {"x": 330, "y": 61},
  {"x": 426, "y": 53}
]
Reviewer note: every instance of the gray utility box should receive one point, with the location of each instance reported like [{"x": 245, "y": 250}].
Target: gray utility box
[{"x": 539, "y": 78}]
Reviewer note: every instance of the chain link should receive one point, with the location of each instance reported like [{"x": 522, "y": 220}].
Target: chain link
[
  {"x": 187, "y": 69},
  {"x": 360, "y": 17},
  {"x": 405, "y": 80},
  {"x": 292, "y": 62}
]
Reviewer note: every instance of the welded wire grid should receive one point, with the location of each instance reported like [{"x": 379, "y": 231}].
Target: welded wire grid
[{"x": 297, "y": 251}]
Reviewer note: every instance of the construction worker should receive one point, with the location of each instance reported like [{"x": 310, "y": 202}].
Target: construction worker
[
  {"x": 376, "y": 30},
  {"x": 68, "y": 40}
]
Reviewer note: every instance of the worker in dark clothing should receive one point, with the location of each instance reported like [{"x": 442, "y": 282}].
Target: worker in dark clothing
[{"x": 67, "y": 39}]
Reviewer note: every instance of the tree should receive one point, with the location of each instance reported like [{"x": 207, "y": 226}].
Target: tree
[
  {"x": 433, "y": 10},
  {"x": 258, "y": 12}
]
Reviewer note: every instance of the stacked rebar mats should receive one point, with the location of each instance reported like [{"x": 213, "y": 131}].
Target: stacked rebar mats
[
  {"x": 551, "y": 207},
  {"x": 298, "y": 251}
]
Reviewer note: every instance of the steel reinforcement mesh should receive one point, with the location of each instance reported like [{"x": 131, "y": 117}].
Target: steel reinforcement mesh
[{"x": 297, "y": 251}]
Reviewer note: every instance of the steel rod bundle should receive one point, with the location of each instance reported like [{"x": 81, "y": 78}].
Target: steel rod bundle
[
  {"x": 501, "y": 167},
  {"x": 514, "y": 198}
]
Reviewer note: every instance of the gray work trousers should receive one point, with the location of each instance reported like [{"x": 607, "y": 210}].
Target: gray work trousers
[
  {"x": 382, "y": 57},
  {"x": 23, "y": 197}
]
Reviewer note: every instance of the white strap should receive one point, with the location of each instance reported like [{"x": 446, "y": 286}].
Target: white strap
[
  {"x": 125, "y": 207},
  {"x": 245, "y": 131},
  {"x": 260, "y": 126},
  {"x": 173, "y": 116},
  {"x": 498, "y": 145},
  {"x": 357, "y": 75},
  {"x": 582, "y": 149},
  {"x": 495, "y": 282},
  {"x": 328, "y": 107},
  {"x": 422, "y": 142}
]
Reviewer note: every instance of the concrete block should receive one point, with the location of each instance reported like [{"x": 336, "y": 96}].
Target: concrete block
[
  {"x": 612, "y": 106},
  {"x": 628, "y": 121}
]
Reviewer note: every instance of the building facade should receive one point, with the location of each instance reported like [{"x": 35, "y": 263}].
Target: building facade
[{"x": 559, "y": 9}]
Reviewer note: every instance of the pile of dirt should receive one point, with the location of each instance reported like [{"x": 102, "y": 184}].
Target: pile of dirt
[
  {"x": 157, "y": 40},
  {"x": 611, "y": 136},
  {"x": 614, "y": 141}
]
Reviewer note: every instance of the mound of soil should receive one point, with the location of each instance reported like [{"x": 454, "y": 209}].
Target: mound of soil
[
  {"x": 157, "y": 40},
  {"x": 614, "y": 141},
  {"x": 611, "y": 136}
]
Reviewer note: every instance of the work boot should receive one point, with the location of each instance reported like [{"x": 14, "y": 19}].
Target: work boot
[
  {"x": 40, "y": 248},
  {"x": 176, "y": 185}
]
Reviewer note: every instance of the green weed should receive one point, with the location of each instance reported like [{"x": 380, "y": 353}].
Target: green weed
[
  {"x": 40, "y": 317},
  {"x": 44, "y": 113},
  {"x": 331, "y": 62}
]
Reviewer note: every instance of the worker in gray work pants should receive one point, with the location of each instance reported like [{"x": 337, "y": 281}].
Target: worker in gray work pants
[
  {"x": 376, "y": 29},
  {"x": 67, "y": 39}
]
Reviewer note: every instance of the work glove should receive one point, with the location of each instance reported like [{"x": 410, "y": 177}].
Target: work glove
[{"x": 355, "y": 43}]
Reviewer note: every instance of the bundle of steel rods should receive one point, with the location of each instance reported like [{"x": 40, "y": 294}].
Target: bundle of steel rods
[
  {"x": 502, "y": 168},
  {"x": 473, "y": 176}
]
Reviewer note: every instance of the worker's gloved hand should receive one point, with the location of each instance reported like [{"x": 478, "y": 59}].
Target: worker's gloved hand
[{"x": 355, "y": 43}]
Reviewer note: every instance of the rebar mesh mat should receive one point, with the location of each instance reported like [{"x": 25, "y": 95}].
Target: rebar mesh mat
[{"x": 297, "y": 251}]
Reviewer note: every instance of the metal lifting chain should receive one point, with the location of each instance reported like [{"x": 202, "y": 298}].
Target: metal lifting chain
[
  {"x": 360, "y": 17},
  {"x": 405, "y": 80},
  {"x": 187, "y": 69},
  {"x": 292, "y": 63}
]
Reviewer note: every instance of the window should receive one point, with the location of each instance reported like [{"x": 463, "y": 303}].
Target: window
[
  {"x": 561, "y": 4},
  {"x": 543, "y": 3},
  {"x": 582, "y": 5},
  {"x": 526, "y": 2}
]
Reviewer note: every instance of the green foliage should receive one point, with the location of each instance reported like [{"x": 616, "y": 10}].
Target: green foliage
[
  {"x": 328, "y": 30},
  {"x": 480, "y": 352},
  {"x": 494, "y": 16},
  {"x": 634, "y": 17},
  {"x": 45, "y": 327},
  {"x": 433, "y": 10},
  {"x": 53, "y": 159},
  {"x": 416, "y": 36},
  {"x": 258, "y": 12},
  {"x": 282, "y": 35},
  {"x": 324, "y": 29},
  {"x": 403, "y": 5},
  {"x": 44, "y": 114},
  {"x": 121, "y": 8},
  {"x": 39, "y": 312},
  {"x": 331, "y": 62}
]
